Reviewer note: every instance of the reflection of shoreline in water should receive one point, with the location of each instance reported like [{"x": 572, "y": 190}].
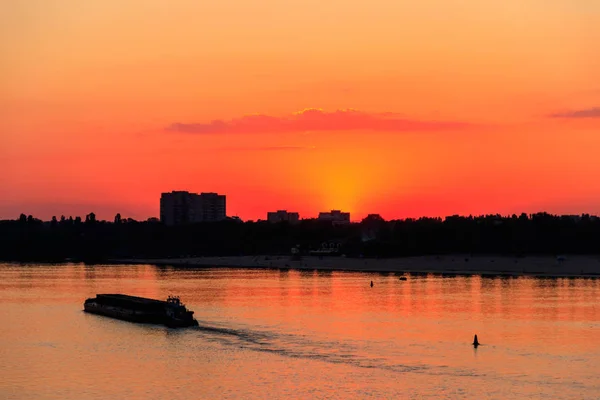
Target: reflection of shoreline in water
[{"x": 543, "y": 266}]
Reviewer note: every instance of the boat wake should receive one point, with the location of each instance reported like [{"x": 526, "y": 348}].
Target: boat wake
[
  {"x": 350, "y": 353},
  {"x": 230, "y": 336}
]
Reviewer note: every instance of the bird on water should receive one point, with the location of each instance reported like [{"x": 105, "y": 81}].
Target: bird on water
[{"x": 475, "y": 342}]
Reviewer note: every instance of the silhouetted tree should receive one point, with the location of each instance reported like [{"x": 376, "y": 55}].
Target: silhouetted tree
[
  {"x": 53, "y": 222},
  {"x": 523, "y": 217},
  {"x": 118, "y": 218},
  {"x": 373, "y": 218},
  {"x": 541, "y": 233},
  {"x": 90, "y": 218}
]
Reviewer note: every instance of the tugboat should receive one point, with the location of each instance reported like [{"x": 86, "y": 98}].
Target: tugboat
[{"x": 171, "y": 312}]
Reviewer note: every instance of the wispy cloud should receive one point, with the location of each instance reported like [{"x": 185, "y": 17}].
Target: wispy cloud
[
  {"x": 585, "y": 113},
  {"x": 315, "y": 120},
  {"x": 268, "y": 148},
  {"x": 285, "y": 148}
]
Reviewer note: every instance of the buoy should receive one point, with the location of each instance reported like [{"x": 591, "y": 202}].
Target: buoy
[
  {"x": 371, "y": 283},
  {"x": 475, "y": 342}
]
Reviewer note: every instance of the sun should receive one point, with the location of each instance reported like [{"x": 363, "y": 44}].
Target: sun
[{"x": 342, "y": 187}]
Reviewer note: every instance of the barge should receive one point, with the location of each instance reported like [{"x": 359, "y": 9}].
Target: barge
[{"x": 171, "y": 312}]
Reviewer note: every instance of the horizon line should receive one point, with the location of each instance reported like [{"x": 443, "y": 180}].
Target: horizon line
[{"x": 235, "y": 217}]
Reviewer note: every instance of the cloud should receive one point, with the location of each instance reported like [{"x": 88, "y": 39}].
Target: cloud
[
  {"x": 315, "y": 120},
  {"x": 586, "y": 113},
  {"x": 268, "y": 148},
  {"x": 285, "y": 148}
]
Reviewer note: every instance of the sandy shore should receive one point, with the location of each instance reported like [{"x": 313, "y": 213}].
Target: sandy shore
[{"x": 449, "y": 264}]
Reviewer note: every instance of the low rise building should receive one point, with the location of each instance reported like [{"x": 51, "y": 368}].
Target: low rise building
[
  {"x": 283, "y": 216},
  {"x": 335, "y": 217}
]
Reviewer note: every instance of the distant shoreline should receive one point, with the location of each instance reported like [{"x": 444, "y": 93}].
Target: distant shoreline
[{"x": 587, "y": 266}]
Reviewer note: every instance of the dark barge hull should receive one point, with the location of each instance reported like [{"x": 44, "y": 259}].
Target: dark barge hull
[{"x": 139, "y": 310}]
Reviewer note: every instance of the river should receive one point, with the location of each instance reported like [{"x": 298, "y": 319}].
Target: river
[{"x": 298, "y": 334}]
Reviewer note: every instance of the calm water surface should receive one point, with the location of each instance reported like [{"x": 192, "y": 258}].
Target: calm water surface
[{"x": 290, "y": 334}]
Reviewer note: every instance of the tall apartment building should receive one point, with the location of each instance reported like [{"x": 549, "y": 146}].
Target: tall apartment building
[
  {"x": 283, "y": 215},
  {"x": 181, "y": 207},
  {"x": 211, "y": 207}
]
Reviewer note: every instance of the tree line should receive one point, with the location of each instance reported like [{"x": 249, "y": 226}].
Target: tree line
[{"x": 91, "y": 240}]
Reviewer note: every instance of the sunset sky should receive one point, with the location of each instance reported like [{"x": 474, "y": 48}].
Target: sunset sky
[{"x": 403, "y": 108}]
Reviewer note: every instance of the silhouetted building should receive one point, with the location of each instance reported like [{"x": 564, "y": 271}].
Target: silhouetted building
[
  {"x": 177, "y": 208},
  {"x": 180, "y": 207},
  {"x": 335, "y": 216},
  {"x": 283, "y": 216},
  {"x": 211, "y": 207}
]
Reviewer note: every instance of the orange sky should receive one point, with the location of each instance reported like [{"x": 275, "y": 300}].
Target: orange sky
[{"x": 405, "y": 108}]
